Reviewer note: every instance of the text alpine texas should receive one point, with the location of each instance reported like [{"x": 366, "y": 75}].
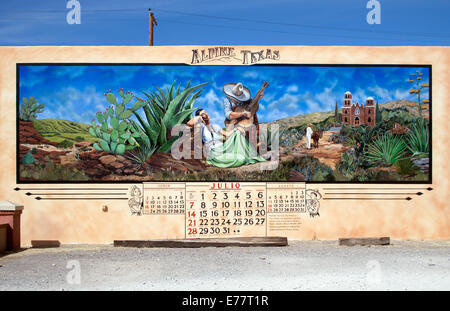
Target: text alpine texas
[{"x": 248, "y": 57}]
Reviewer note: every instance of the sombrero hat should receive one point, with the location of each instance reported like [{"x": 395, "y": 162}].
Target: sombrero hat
[{"x": 237, "y": 91}]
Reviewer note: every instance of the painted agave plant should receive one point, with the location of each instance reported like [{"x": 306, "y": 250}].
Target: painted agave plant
[
  {"x": 418, "y": 140},
  {"x": 165, "y": 109},
  {"x": 387, "y": 149}
]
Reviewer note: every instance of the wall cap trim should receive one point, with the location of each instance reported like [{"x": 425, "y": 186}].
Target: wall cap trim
[{"x": 6, "y": 206}]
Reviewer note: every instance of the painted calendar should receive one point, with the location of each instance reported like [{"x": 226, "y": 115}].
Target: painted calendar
[{"x": 229, "y": 209}]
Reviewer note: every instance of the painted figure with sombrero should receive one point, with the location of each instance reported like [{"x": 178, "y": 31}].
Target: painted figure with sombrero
[{"x": 237, "y": 97}]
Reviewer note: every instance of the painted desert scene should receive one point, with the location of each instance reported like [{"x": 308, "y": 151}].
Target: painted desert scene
[{"x": 98, "y": 123}]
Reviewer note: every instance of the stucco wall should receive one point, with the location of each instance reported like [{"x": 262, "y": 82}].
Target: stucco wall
[{"x": 425, "y": 217}]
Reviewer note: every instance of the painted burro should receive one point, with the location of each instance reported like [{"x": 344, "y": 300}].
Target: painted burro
[{"x": 229, "y": 53}]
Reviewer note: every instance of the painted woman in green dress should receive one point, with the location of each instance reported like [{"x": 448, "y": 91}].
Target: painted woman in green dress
[{"x": 235, "y": 151}]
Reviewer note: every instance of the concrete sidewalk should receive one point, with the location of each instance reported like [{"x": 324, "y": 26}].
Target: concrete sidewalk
[{"x": 308, "y": 265}]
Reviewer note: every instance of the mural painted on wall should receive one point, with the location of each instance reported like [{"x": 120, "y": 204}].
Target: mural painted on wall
[{"x": 103, "y": 123}]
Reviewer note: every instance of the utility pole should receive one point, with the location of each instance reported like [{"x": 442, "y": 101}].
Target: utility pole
[{"x": 152, "y": 21}]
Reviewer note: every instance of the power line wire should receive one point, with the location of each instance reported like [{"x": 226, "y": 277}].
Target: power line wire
[
  {"x": 300, "y": 33},
  {"x": 302, "y": 25},
  {"x": 435, "y": 35},
  {"x": 261, "y": 30}
]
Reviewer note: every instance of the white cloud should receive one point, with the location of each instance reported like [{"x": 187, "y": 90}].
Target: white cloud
[
  {"x": 250, "y": 74},
  {"x": 401, "y": 94},
  {"x": 294, "y": 104},
  {"x": 292, "y": 89},
  {"x": 277, "y": 114},
  {"x": 359, "y": 96},
  {"x": 383, "y": 95},
  {"x": 286, "y": 101},
  {"x": 69, "y": 71},
  {"x": 72, "y": 104},
  {"x": 379, "y": 92},
  {"x": 312, "y": 106},
  {"x": 268, "y": 97},
  {"x": 325, "y": 100},
  {"x": 209, "y": 99},
  {"x": 213, "y": 105},
  {"x": 33, "y": 76}
]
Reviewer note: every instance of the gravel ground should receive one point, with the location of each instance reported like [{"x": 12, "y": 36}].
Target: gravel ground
[{"x": 308, "y": 265}]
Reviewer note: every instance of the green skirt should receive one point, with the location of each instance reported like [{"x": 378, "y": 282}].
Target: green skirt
[{"x": 236, "y": 151}]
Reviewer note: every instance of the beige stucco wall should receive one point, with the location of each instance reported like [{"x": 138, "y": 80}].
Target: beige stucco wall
[{"x": 425, "y": 217}]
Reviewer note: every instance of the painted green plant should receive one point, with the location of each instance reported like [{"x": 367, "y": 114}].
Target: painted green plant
[
  {"x": 406, "y": 166},
  {"x": 348, "y": 164},
  {"x": 29, "y": 109},
  {"x": 28, "y": 158},
  {"x": 140, "y": 154},
  {"x": 418, "y": 138},
  {"x": 313, "y": 169},
  {"x": 165, "y": 109},
  {"x": 387, "y": 149},
  {"x": 115, "y": 131},
  {"x": 65, "y": 144}
]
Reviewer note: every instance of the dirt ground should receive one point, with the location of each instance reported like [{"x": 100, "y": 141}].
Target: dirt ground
[
  {"x": 306, "y": 265},
  {"x": 327, "y": 152}
]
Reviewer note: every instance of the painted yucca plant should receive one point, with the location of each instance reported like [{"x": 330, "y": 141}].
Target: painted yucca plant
[
  {"x": 418, "y": 138},
  {"x": 164, "y": 110},
  {"x": 387, "y": 149}
]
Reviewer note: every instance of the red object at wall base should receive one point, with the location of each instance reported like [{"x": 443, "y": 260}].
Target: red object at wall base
[{"x": 10, "y": 215}]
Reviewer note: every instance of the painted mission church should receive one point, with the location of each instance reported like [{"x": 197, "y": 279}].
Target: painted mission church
[{"x": 357, "y": 115}]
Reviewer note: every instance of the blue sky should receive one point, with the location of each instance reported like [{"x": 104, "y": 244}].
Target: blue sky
[
  {"x": 231, "y": 22},
  {"x": 77, "y": 92}
]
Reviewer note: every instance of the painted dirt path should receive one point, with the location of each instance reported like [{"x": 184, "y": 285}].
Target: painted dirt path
[{"x": 328, "y": 151}]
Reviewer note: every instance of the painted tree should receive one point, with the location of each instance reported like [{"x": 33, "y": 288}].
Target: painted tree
[
  {"x": 415, "y": 80},
  {"x": 377, "y": 113},
  {"x": 336, "y": 112},
  {"x": 30, "y": 108}
]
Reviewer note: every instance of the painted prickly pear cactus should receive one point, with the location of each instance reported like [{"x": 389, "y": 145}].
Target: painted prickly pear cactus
[
  {"x": 29, "y": 108},
  {"x": 115, "y": 131}
]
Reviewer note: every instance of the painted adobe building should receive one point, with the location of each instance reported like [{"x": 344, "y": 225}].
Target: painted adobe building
[{"x": 357, "y": 115}]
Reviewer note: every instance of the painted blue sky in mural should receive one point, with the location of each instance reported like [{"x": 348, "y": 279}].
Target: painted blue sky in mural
[{"x": 76, "y": 93}]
